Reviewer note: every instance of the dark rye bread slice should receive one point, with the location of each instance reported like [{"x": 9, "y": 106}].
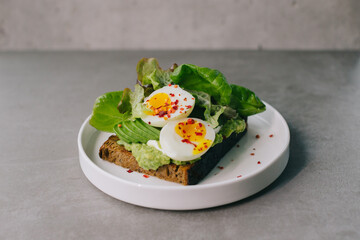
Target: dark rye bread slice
[{"x": 188, "y": 174}]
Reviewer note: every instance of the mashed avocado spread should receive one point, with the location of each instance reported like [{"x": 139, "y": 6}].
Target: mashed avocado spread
[{"x": 147, "y": 157}]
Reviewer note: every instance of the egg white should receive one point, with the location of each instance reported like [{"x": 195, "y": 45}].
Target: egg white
[
  {"x": 172, "y": 145},
  {"x": 178, "y": 94}
]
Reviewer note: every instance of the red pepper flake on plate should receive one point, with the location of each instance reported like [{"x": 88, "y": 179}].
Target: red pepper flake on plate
[
  {"x": 146, "y": 176},
  {"x": 220, "y": 167},
  {"x": 129, "y": 171},
  {"x": 257, "y": 136},
  {"x": 239, "y": 176},
  {"x": 258, "y": 162},
  {"x": 271, "y": 135},
  {"x": 252, "y": 154}
]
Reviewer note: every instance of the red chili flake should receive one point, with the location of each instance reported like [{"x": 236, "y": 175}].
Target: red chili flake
[
  {"x": 190, "y": 121},
  {"x": 176, "y": 102},
  {"x": 181, "y": 123},
  {"x": 149, "y": 122},
  {"x": 239, "y": 176},
  {"x": 205, "y": 146},
  {"x": 200, "y": 124},
  {"x": 183, "y": 131},
  {"x": 129, "y": 171},
  {"x": 175, "y": 86},
  {"x": 257, "y": 136},
  {"x": 169, "y": 85},
  {"x": 258, "y": 162},
  {"x": 175, "y": 107},
  {"x": 252, "y": 154},
  {"x": 271, "y": 135},
  {"x": 188, "y": 106},
  {"x": 185, "y": 99},
  {"x": 162, "y": 113},
  {"x": 119, "y": 125},
  {"x": 168, "y": 115},
  {"x": 146, "y": 176},
  {"x": 192, "y": 98},
  {"x": 188, "y": 141},
  {"x": 182, "y": 109},
  {"x": 179, "y": 127},
  {"x": 237, "y": 145},
  {"x": 171, "y": 94},
  {"x": 220, "y": 167},
  {"x": 198, "y": 134}
]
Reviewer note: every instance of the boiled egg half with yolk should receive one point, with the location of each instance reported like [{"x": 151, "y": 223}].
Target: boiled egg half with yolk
[
  {"x": 186, "y": 139},
  {"x": 166, "y": 104}
]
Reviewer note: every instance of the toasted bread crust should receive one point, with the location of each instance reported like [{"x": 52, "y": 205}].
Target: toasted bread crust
[{"x": 188, "y": 174}]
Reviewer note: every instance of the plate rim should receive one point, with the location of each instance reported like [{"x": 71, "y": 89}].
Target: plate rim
[
  {"x": 182, "y": 187},
  {"x": 284, "y": 152}
]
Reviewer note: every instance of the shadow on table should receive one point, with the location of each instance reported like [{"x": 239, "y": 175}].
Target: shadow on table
[{"x": 297, "y": 161}]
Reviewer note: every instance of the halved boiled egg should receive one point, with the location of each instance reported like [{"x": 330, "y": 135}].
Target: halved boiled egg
[
  {"x": 186, "y": 139},
  {"x": 166, "y": 104}
]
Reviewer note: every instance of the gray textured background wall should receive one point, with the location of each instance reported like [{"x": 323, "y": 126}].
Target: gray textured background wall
[{"x": 179, "y": 24}]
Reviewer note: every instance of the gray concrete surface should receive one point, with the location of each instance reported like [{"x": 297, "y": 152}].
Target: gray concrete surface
[
  {"x": 179, "y": 24},
  {"x": 45, "y": 97}
]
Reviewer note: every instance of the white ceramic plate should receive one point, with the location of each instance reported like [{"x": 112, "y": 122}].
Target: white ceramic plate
[{"x": 248, "y": 168}]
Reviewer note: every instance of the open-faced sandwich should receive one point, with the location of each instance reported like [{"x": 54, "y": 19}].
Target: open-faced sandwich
[{"x": 176, "y": 124}]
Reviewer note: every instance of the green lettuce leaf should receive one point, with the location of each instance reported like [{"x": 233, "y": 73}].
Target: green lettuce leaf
[
  {"x": 136, "y": 101},
  {"x": 210, "y": 81},
  {"x": 132, "y": 102},
  {"x": 218, "y": 139},
  {"x": 216, "y": 111},
  {"x": 211, "y": 111},
  {"x": 233, "y": 125},
  {"x": 124, "y": 104},
  {"x": 150, "y": 73},
  {"x": 105, "y": 112},
  {"x": 245, "y": 101}
]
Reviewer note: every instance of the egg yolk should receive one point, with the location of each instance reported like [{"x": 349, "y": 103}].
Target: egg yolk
[
  {"x": 193, "y": 131},
  {"x": 160, "y": 103}
]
